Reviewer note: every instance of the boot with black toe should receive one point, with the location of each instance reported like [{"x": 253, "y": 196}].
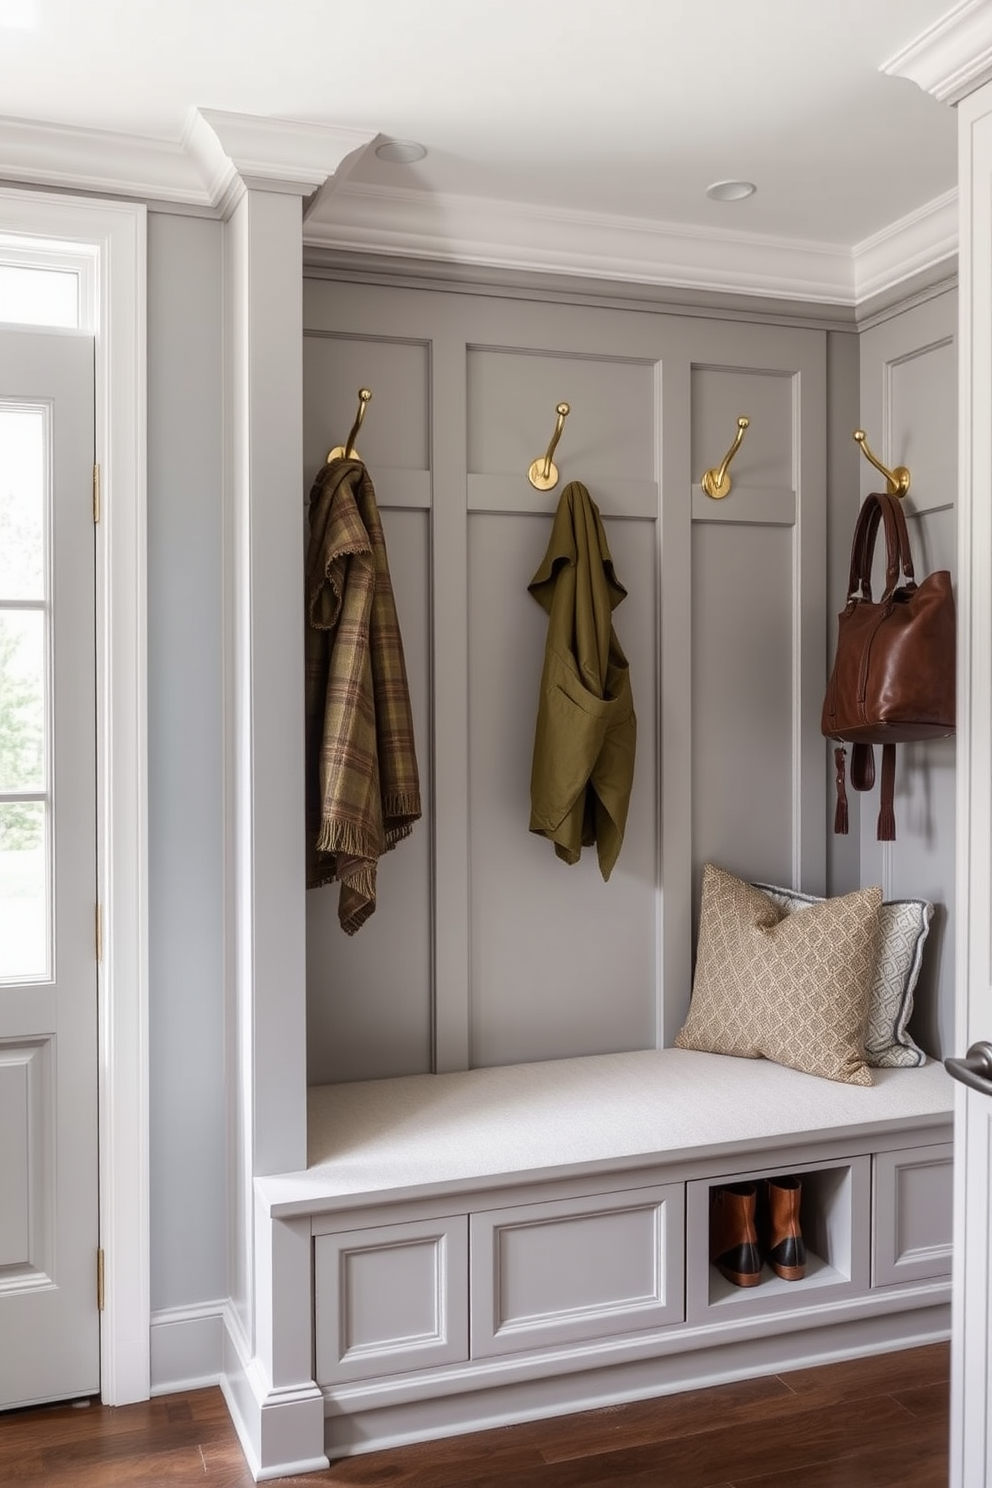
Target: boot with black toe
[{"x": 733, "y": 1233}]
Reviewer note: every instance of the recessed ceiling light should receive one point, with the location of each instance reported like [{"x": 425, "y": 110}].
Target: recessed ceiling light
[
  {"x": 400, "y": 152},
  {"x": 730, "y": 190}
]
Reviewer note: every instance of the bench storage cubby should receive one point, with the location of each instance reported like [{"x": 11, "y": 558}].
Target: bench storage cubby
[{"x": 835, "y": 1211}]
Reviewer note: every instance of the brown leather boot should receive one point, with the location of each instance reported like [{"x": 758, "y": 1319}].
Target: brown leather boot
[
  {"x": 733, "y": 1234},
  {"x": 785, "y": 1250}
]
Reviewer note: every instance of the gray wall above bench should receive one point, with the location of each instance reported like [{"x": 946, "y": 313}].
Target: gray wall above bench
[{"x": 485, "y": 949}]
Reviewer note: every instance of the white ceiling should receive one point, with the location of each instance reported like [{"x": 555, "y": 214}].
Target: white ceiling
[{"x": 576, "y": 114}]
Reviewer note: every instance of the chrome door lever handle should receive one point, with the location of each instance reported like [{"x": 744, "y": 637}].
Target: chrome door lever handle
[{"x": 975, "y": 1069}]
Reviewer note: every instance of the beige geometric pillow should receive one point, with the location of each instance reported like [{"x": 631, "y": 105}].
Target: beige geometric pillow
[
  {"x": 793, "y": 988},
  {"x": 903, "y": 926}
]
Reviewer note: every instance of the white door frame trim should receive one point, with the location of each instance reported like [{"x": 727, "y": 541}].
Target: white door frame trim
[{"x": 115, "y": 233}]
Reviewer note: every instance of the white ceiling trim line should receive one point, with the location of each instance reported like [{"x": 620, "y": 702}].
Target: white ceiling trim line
[
  {"x": 918, "y": 242},
  {"x": 515, "y": 235},
  {"x": 509, "y": 235},
  {"x": 218, "y": 154},
  {"x": 77, "y": 159},
  {"x": 952, "y": 57}
]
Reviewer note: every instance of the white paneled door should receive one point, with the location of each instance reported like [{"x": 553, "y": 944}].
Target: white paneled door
[{"x": 49, "y": 1319}]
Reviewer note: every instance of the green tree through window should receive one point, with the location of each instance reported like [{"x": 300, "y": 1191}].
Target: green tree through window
[{"x": 21, "y": 742}]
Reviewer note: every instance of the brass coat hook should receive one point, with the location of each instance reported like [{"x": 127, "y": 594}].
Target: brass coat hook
[
  {"x": 543, "y": 473},
  {"x": 716, "y": 483},
  {"x": 898, "y": 479},
  {"x": 348, "y": 451}
]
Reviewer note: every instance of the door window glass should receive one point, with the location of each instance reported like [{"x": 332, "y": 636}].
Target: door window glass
[
  {"x": 38, "y": 297},
  {"x": 25, "y": 722}
]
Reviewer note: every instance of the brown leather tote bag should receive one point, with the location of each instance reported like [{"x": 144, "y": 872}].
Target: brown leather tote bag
[{"x": 893, "y": 678}]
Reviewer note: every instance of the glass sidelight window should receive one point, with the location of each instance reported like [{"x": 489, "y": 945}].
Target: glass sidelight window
[{"x": 25, "y": 694}]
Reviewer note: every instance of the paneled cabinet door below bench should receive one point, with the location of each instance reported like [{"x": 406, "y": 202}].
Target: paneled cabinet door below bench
[
  {"x": 561, "y": 1272},
  {"x": 912, "y": 1219},
  {"x": 391, "y": 1299}
]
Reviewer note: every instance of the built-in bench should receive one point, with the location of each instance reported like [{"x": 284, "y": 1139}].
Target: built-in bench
[{"x": 473, "y": 1248}]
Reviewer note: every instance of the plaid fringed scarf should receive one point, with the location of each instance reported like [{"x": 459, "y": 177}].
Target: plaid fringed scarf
[{"x": 363, "y": 788}]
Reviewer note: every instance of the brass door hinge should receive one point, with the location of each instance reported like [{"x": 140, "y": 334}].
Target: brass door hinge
[
  {"x": 96, "y": 493},
  {"x": 100, "y": 1289},
  {"x": 99, "y": 932}
]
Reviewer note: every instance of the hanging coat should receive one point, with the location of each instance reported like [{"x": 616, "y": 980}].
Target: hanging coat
[
  {"x": 363, "y": 787},
  {"x": 583, "y": 764}
]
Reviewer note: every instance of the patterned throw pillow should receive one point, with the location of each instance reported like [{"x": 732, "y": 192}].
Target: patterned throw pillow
[
  {"x": 792, "y": 988},
  {"x": 903, "y": 926}
]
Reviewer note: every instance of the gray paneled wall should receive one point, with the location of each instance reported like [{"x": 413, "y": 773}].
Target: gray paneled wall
[
  {"x": 485, "y": 949},
  {"x": 369, "y": 1002},
  {"x": 909, "y": 410},
  {"x": 756, "y": 626},
  {"x": 561, "y": 963}
]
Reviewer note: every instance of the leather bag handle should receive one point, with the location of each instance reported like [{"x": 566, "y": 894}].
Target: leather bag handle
[
  {"x": 868, "y": 515},
  {"x": 863, "y": 548},
  {"x": 875, "y": 508},
  {"x": 906, "y": 555}
]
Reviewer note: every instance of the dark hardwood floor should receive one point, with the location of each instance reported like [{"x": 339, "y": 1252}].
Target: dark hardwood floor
[{"x": 871, "y": 1423}]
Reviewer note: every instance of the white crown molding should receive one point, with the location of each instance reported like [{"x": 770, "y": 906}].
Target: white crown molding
[
  {"x": 272, "y": 154},
  {"x": 952, "y": 57},
  {"x": 513, "y": 235},
  {"x": 914, "y": 244},
  {"x": 506, "y": 235},
  {"x": 70, "y": 158},
  {"x": 218, "y": 155}
]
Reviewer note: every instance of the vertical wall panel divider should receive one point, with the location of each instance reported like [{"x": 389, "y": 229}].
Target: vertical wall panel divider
[
  {"x": 811, "y": 801},
  {"x": 450, "y": 684},
  {"x": 267, "y": 1371},
  {"x": 673, "y": 391}
]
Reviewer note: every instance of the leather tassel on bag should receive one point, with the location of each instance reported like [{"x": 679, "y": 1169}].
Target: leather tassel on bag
[{"x": 840, "y": 816}]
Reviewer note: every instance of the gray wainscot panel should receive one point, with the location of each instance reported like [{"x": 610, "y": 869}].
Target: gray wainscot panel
[
  {"x": 578, "y": 971},
  {"x": 369, "y": 995}
]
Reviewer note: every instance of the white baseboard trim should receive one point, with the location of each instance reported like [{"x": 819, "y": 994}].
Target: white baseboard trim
[{"x": 187, "y": 1347}]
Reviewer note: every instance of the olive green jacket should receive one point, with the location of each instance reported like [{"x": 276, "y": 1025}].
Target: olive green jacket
[{"x": 583, "y": 763}]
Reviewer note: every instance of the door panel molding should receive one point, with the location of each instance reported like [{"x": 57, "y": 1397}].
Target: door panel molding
[{"x": 27, "y": 1145}]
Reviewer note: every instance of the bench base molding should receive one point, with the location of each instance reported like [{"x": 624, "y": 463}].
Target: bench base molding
[{"x": 356, "y": 1422}]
